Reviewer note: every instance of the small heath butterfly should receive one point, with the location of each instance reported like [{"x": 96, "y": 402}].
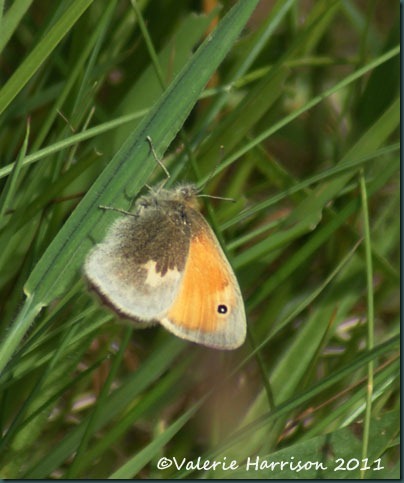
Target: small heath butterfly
[{"x": 163, "y": 264}]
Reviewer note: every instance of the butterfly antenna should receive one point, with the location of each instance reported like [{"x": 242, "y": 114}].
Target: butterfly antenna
[
  {"x": 217, "y": 197},
  {"x": 158, "y": 161},
  {"x": 118, "y": 210},
  {"x": 211, "y": 174}
]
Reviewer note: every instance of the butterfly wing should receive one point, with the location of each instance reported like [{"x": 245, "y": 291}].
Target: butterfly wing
[
  {"x": 138, "y": 268},
  {"x": 208, "y": 308}
]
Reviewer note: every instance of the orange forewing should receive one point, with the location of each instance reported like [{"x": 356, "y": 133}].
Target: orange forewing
[{"x": 205, "y": 285}]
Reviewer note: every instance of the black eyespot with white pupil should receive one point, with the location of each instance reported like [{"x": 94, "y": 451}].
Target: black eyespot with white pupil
[{"x": 222, "y": 309}]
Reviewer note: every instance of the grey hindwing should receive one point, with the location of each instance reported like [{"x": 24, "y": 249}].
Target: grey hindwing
[{"x": 139, "y": 266}]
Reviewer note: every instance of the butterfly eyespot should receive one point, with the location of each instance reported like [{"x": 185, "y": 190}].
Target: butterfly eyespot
[{"x": 222, "y": 309}]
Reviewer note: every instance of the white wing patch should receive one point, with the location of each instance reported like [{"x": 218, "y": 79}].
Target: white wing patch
[{"x": 155, "y": 279}]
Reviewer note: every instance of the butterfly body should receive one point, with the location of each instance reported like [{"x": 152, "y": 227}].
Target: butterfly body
[{"x": 164, "y": 264}]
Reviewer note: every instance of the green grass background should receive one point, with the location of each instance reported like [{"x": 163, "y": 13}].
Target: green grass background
[{"x": 295, "y": 106}]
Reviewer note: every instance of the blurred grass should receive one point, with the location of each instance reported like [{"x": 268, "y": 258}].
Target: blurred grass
[{"x": 303, "y": 115}]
